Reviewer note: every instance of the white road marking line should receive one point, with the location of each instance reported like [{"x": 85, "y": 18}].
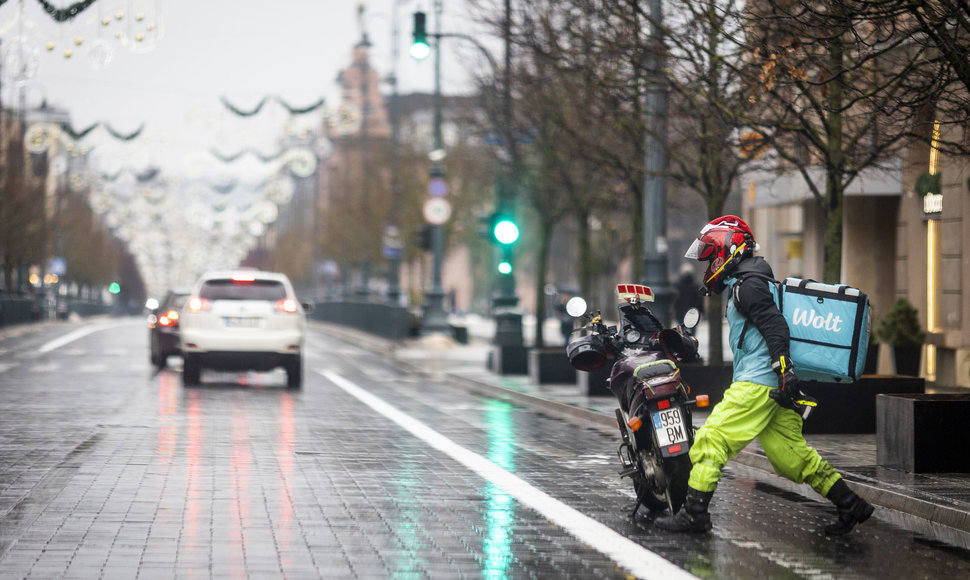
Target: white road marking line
[
  {"x": 625, "y": 552},
  {"x": 69, "y": 338}
]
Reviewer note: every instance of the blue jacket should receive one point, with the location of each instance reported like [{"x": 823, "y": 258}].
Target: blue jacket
[{"x": 752, "y": 299}]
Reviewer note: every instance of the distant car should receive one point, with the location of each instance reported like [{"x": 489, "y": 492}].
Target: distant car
[
  {"x": 163, "y": 327},
  {"x": 243, "y": 320}
]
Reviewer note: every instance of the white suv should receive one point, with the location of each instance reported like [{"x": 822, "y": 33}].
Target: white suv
[{"x": 243, "y": 320}]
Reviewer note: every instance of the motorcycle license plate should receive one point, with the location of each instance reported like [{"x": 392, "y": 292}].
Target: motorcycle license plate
[{"x": 670, "y": 427}]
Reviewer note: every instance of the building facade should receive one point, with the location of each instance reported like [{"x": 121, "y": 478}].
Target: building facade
[{"x": 891, "y": 247}]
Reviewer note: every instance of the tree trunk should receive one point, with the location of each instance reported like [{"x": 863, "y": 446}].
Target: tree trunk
[
  {"x": 543, "y": 242},
  {"x": 832, "y": 256},
  {"x": 586, "y": 266},
  {"x": 835, "y": 170}
]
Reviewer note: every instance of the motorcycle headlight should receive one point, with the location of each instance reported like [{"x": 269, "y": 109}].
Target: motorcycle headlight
[{"x": 587, "y": 353}]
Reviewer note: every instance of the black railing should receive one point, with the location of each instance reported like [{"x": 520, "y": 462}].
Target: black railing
[{"x": 388, "y": 321}]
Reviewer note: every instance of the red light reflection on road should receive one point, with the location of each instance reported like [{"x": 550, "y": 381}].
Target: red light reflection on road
[
  {"x": 168, "y": 387},
  {"x": 193, "y": 468},
  {"x": 240, "y": 462},
  {"x": 284, "y": 454}
]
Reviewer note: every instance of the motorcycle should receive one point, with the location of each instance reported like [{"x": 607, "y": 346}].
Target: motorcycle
[{"x": 654, "y": 414}]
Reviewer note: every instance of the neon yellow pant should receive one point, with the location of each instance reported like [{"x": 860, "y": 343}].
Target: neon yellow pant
[{"x": 746, "y": 413}]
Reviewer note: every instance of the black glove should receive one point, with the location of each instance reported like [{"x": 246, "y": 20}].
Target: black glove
[{"x": 789, "y": 393}]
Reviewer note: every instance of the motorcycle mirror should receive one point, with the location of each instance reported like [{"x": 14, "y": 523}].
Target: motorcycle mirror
[
  {"x": 692, "y": 317},
  {"x": 576, "y": 307}
]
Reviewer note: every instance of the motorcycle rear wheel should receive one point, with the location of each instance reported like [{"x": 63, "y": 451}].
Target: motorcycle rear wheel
[{"x": 671, "y": 478}]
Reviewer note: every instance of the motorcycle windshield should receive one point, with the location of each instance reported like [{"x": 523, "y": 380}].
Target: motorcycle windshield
[{"x": 640, "y": 318}]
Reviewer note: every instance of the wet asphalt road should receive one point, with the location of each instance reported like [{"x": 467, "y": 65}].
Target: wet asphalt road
[{"x": 110, "y": 469}]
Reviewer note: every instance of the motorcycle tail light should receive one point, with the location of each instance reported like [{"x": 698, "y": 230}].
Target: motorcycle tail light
[
  {"x": 665, "y": 404},
  {"x": 634, "y": 424},
  {"x": 703, "y": 400}
]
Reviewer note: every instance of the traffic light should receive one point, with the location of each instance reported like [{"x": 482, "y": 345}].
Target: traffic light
[
  {"x": 505, "y": 230},
  {"x": 420, "y": 49},
  {"x": 505, "y": 267},
  {"x": 114, "y": 288}
]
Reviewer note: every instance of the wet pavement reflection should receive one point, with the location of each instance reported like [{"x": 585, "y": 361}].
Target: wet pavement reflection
[{"x": 126, "y": 473}]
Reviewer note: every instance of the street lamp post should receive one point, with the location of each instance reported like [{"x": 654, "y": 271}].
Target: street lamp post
[
  {"x": 509, "y": 321},
  {"x": 655, "y": 185},
  {"x": 435, "y": 319}
]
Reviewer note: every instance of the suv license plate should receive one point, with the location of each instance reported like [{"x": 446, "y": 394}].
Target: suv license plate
[
  {"x": 238, "y": 322},
  {"x": 669, "y": 426}
]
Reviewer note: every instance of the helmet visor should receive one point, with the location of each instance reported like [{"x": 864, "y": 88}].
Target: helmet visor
[{"x": 699, "y": 250}]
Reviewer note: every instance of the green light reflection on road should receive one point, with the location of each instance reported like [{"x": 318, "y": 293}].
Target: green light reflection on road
[{"x": 499, "y": 506}]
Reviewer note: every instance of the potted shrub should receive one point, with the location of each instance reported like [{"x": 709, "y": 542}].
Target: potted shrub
[{"x": 901, "y": 330}]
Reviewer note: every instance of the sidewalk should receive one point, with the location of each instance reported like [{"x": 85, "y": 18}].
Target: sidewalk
[{"x": 936, "y": 505}]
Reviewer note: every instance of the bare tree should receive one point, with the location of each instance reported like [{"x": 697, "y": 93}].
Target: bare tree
[{"x": 841, "y": 90}]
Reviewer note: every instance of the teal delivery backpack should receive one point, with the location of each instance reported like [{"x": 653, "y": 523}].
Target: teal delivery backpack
[{"x": 829, "y": 326}]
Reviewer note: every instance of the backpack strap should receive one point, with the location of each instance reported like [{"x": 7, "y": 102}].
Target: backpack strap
[{"x": 736, "y": 299}]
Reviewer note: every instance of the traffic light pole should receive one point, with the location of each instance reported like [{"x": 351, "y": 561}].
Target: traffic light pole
[{"x": 509, "y": 354}]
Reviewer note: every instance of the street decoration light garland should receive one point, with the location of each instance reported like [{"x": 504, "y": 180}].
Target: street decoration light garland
[
  {"x": 68, "y": 130},
  {"x": 121, "y": 137},
  {"x": 249, "y": 150},
  {"x": 300, "y": 110},
  {"x": 301, "y": 161},
  {"x": 292, "y": 110},
  {"x": 239, "y": 112},
  {"x": 64, "y": 14},
  {"x": 143, "y": 33}
]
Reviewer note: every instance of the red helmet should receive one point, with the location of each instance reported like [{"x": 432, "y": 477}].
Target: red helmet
[{"x": 723, "y": 243}]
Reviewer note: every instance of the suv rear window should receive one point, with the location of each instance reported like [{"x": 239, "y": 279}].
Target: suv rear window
[{"x": 234, "y": 290}]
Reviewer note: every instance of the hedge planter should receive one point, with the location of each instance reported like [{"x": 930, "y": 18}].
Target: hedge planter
[{"x": 907, "y": 359}]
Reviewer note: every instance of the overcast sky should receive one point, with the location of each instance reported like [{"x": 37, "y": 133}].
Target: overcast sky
[{"x": 196, "y": 51}]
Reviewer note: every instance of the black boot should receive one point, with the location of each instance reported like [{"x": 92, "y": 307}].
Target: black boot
[
  {"x": 693, "y": 517},
  {"x": 852, "y": 509}
]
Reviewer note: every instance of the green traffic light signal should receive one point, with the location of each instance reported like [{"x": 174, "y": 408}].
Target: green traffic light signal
[
  {"x": 114, "y": 288},
  {"x": 505, "y": 267},
  {"x": 420, "y": 49},
  {"x": 505, "y": 231}
]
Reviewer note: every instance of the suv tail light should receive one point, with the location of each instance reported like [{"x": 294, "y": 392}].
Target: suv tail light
[
  {"x": 287, "y": 305},
  {"x": 170, "y": 318},
  {"x": 196, "y": 304}
]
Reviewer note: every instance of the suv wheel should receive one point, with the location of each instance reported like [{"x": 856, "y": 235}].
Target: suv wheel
[
  {"x": 294, "y": 372},
  {"x": 191, "y": 371},
  {"x": 156, "y": 356}
]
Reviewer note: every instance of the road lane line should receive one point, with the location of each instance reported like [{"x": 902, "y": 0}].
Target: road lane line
[
  {"x": 69, "y": 338},
  {"x": 625, "y": 552}
]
